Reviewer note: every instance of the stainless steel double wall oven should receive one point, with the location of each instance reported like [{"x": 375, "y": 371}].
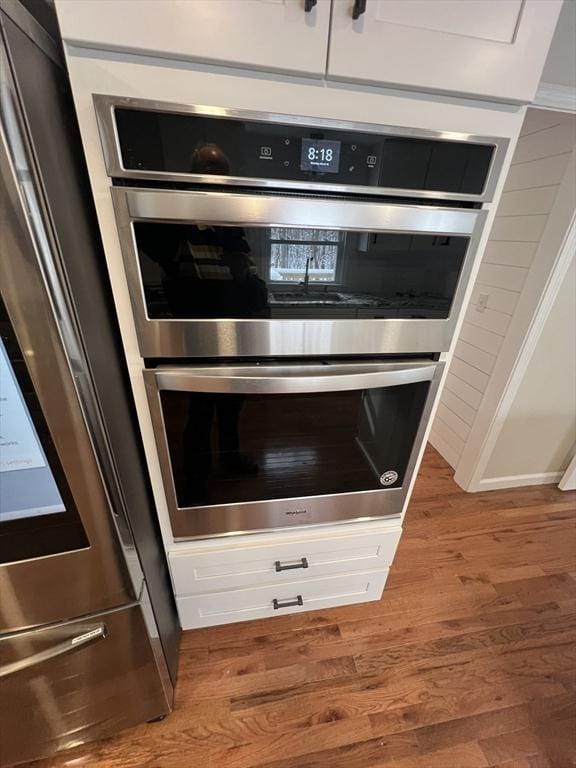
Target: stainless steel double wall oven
[{"x": 293, "y": 283}]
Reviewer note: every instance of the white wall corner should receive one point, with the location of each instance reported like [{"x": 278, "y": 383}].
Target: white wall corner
[
  {"x": 552, "y": 260},
  {"x": 554, "y": 96},
  {"x": 568, "y": 479}
]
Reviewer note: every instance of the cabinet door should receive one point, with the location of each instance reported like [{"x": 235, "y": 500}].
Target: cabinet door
[
  {"x": 269, "y": 34},
  {"x": 490, "y": 48}
]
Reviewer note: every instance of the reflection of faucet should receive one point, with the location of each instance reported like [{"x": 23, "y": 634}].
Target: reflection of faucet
[{"x": 309, "y": 260}]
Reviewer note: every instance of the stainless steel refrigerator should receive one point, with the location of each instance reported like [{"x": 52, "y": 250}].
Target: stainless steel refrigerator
[{"x": 88, "y": 628}]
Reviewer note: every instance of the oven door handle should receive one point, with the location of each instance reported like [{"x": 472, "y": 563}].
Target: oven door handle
[
  {"x": 245, "y": 210},
  {"x": 286, "y": 380}
]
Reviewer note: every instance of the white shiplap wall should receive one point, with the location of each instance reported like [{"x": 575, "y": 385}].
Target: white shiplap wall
[{"x": 540, "y": 161}]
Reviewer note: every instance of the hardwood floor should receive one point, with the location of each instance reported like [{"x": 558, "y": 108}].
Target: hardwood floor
[{"x": 468, "y": 661}]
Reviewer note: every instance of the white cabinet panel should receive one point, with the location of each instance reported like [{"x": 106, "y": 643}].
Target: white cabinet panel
[
  {"x": 230, "y": 567},
  {"x": 269, "y": 34},
  {"x": 469, "y": 18},
  {"x": 489, "y": 48},
  {"x": 246, "y": 604}
]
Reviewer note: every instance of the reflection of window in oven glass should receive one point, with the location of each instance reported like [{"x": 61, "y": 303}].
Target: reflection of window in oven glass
[{"x": 304, "y": 255}]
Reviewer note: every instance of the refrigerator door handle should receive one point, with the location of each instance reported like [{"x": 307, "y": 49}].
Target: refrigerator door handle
[{"x": 89, "y": 634}]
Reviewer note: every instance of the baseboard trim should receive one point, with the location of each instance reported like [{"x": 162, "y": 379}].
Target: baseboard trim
[
  {"x": 553, "y": 96},
  {"x": 568, "y": 482},
  {"x": 517, "y": 481}
]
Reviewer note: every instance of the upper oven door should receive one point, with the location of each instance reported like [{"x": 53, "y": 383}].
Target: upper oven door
[{"x": 222, "y": 274}]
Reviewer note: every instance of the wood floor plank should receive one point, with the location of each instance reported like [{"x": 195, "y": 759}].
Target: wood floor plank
[
  {"x": 461, "y": 648},
  {"x": 468, "y": 661},
  {"x": 291, "y": 677},
  {"x": 463, "y": 730},
  {"x": 368, "y": 753},
  {"x": 295, "y": 744},
  {"x": 541, "y": 761},
  {"x": 369, "y": 693},
  {"x": 357, "y": 639},
  {"x": 517, "y": 744},
  {"x": 275, "y": 642},
  {"x": 461, "y": 756}
]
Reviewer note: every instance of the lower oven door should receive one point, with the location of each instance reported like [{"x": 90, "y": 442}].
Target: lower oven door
[{"x": 254, "y": 447}]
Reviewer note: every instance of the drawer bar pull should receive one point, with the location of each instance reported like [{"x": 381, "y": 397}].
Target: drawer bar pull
[
  {"x": 302, "y": 564},
  {"x": 287, "y": 603}
]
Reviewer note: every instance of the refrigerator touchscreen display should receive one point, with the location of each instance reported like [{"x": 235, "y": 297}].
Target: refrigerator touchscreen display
[{"x": 27, "y": 486}]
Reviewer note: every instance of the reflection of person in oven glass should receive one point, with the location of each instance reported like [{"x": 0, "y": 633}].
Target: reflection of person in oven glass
[
  {"x": 207, "y": 271},
  {"x": 218, "y": 258},
  {"x": 215, "y": 277},
  {"x": 199, "y": 448}
]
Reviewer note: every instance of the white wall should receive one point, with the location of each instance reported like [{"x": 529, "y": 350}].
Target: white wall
[
  {"x": 539, "y": 433},
  {"x": 528, "y": 229},
  {"x": 560, "y": 67}
]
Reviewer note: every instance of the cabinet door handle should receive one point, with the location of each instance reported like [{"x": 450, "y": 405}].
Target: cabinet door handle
[
  {"x": 287, "y": 603},
  {"x": 292, "y": 566},
  {"x": 358, "y": 9},
  {"x": 309, "y": 4}
]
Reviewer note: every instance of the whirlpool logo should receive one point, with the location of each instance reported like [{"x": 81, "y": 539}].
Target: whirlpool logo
[{"x": 297, "y": 512}]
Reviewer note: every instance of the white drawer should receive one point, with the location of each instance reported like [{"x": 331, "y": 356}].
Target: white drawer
[
  {"x": 252, "y": 565},
  {"x": 258, "y": 603}
]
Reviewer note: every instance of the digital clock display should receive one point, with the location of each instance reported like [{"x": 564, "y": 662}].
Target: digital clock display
[{"x": 320, "y": 155}]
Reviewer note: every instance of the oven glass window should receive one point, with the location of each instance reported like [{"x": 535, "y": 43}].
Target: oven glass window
[
  {"x": 191, "y": 271},
  {"x": 37, "y": 513},
  {"x": 233, "y": 448}
]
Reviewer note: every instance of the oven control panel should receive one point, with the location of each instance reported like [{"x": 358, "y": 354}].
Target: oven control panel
[{"x": 195, "y": 143}]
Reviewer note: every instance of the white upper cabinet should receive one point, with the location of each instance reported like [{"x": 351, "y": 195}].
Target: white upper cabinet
[
  {"x": 494, "y": 49},
  {"x": 263, "y": 34}
]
